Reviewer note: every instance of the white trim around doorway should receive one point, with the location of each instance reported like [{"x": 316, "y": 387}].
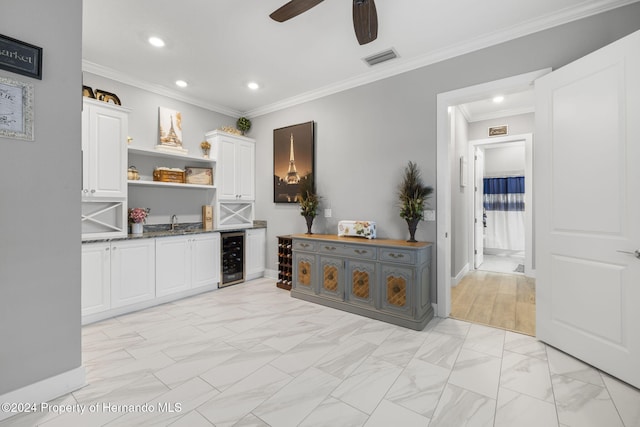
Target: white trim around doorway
[{"x": 444, "y": 157}]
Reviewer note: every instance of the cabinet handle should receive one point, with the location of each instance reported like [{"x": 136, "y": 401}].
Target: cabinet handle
[
  {"x": 304, "y": 245},
  {"x": 114, "y": 248},
  {"x": 85, "y": 191},
  {"x": 392, "y": 255},
  {"x": 93, "y": 191},
  {"x": 330, "y": 248},
  {"x": 304, "y": 271},
  {"x": 106, "y": 249},
  {"x": 360, "y": 252}
]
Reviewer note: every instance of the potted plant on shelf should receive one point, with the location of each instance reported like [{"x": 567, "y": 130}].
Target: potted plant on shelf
[
  {"x": 308, "y": 200},
  {"x": 137, "y": 217},
  {"x": 413, "y": 195}
]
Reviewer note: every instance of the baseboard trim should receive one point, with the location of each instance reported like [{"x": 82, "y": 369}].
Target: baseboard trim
[
  {"x": 455, "y": 280},
  {"x": 45, "y": 390}
]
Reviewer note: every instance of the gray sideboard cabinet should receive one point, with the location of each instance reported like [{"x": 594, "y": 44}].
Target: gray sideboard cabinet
[{"x": 383, "y": 279}]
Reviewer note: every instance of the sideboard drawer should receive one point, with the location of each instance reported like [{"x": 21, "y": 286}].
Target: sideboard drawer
[
  {"x": 354, "y": 251},
  {"x": 303, "y": 245},
  {"x": 397, "y": 255}
]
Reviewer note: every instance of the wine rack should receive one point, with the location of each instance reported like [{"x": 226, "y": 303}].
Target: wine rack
[{"x": 285, "y": 262}]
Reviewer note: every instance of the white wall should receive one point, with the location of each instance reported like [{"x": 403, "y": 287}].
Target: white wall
[
  {"x": 40, "y": 203},
  {"x": 502, "y": 161},
  {"x": 517, "y": 125},
  {"x": 365, "y": 136},
  {"x": 459, "y": 196},
  {"x": 143, "y": 128}
]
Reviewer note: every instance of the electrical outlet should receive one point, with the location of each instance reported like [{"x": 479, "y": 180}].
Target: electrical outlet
[
  {"x": 429, "y": 215},
  {"x": 327, "y": 213}
]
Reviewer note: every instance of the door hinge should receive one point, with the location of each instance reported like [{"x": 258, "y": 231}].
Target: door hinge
[{"x": 475, "y": 252}]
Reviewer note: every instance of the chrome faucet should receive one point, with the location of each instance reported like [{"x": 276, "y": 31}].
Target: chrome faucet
[{"x": 174, "y": 222}]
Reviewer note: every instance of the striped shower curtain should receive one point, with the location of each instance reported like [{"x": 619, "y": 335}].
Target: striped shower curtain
[{"x": 504, "y": 213}]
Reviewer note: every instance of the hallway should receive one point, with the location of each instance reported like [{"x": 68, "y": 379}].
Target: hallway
[{"x": 506, "y": 301}]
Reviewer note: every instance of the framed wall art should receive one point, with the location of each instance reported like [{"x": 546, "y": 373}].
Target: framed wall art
[
  {"x": 293, "y": 160},
  {"x": 197, "y": 175},
  {"x": 498, "y": 130},
  {"x": 20, "y": 57},
  {"x": 16, "y": 109}
]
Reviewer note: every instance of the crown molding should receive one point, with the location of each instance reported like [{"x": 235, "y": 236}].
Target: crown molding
[
  {"x": 121, "y": 77},
  {"x": 399, "y": 66}
]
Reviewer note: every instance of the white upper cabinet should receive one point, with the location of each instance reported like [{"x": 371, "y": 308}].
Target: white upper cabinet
[
  {"x": 235, "y": 169},
  {"x": 104, "y": 150}
]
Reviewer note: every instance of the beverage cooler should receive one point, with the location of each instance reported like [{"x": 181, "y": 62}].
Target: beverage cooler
[{"x": 232, "y": 254}]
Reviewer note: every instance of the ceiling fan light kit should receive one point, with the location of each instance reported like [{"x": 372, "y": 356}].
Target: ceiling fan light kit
[{"x": 365, "y": 16}]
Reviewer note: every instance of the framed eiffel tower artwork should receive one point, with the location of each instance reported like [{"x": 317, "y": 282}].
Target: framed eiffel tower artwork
[{"x": 293, "y": 160}]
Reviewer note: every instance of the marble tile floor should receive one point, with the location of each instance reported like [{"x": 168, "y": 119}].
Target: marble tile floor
[{"x": 249, "y": 355}]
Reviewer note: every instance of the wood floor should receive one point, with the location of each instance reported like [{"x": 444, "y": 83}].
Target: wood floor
[{"x": 506, "y": 301}]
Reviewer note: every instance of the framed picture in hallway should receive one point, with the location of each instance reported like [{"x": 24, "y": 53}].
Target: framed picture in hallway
[{"x": 293, "y": 160}]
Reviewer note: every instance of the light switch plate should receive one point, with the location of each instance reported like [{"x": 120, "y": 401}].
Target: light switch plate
[
  {"x": 429, "y": 215},
  {"x": 327, "y": 213}
]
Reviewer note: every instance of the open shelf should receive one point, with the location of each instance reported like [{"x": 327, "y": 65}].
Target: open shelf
[
  {"x": 171, "y": 184},
  {"x": 157, "y": 153}
]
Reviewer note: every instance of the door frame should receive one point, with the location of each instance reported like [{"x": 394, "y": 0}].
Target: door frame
[
  {"x": 503, "y": 141},
  {"x": 444, "y": 156}
]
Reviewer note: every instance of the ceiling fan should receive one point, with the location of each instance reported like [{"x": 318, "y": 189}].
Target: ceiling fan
[{"x": 365, "y": 17}]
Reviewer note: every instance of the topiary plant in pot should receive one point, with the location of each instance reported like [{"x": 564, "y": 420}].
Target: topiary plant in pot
[
  {"x": 308, "y": 200},
  {"x": 413, "y": 195}
]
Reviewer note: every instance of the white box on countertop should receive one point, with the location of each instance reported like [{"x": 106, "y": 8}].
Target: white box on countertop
[{"x": 357, "y": 228}]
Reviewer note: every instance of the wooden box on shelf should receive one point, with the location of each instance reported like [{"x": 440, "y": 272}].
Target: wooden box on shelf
[
  {"x": 166, "y": 175},
  {"x": 285, "y": 262}
]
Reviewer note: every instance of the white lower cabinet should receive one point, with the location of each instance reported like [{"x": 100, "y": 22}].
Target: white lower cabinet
[
  {"x": 96, "y": 278},
  {"x": 187, "y": 262},
  {"x": 125, "y": 275},
  {"x": 132, "y": 272},
  {"x": 255, "y": 251},
  {"x": 116, "y": 274}
]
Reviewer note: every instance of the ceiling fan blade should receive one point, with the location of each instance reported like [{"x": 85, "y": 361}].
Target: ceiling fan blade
[
  {"x": 365, "y": 20},
  {"x": 293, "y": 9}
]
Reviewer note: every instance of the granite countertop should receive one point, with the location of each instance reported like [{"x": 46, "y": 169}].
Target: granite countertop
[{"x": 164, "y": 230}]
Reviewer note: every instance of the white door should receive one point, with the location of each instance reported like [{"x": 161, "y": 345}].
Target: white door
[
  {"x": 245, "y": 167},
  {"x": 587, "y": 199},
  {"x": 173, "y": 265},
  {"x": 479, "y": 211}
]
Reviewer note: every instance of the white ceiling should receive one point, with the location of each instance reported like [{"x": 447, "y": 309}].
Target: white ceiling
[{"x": 218, "y": 46}]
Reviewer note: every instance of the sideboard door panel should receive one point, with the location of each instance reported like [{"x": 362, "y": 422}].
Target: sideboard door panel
[{"x": 397, "y": 289}]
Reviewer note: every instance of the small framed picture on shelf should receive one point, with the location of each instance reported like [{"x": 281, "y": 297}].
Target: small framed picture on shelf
[{"x": 201, "y": 176}]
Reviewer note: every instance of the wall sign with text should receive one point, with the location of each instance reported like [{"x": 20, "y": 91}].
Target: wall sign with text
[{"x": 20, "y": 57}]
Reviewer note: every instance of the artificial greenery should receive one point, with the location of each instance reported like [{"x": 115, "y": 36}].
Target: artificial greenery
[
  {"x": 308, "y": 198},
  {"x": 413, "y": 193},
  {"x": 243, "y": 124}
]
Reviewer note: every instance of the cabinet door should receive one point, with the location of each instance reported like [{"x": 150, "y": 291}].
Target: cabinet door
[
  {"x": 205, "y": 256},
  {"x": 173, "y": 265},
  {"x": 304, "y": 266},
  {"x": 96, "y": 278},
  {"x": 107, "y": 152},
  {"x": 132, "y": 272},
  {"x": 396, "y": 289},
  {"x": 226, "y": 174},
  {"x": 256, "y": 252},
  {"x": 360, "y": 282},
  {"x": 331, "y": 281},
  {"x": 245, "y": 170}
]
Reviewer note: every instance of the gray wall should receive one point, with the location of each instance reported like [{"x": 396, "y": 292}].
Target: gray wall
[
  {"x": 143, "y": 128},
  {"x": 40, "y": 203},
  {"x": 503, "y": 161},
  {"x": 366, "y": 135}
]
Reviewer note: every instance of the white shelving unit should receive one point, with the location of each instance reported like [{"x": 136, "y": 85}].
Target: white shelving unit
[{"x": 184, "y": 160}]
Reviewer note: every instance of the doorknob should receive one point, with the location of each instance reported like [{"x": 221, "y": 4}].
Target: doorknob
[{"x": 636, "y": 253}]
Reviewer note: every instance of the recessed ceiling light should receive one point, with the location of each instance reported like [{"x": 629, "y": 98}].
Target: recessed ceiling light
[
  {"x": 253, "y": 85},
  {"x": 156, "y": 41},
  {"x": 498, "y": 99},
  {"x": 181, "y": 83}
]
